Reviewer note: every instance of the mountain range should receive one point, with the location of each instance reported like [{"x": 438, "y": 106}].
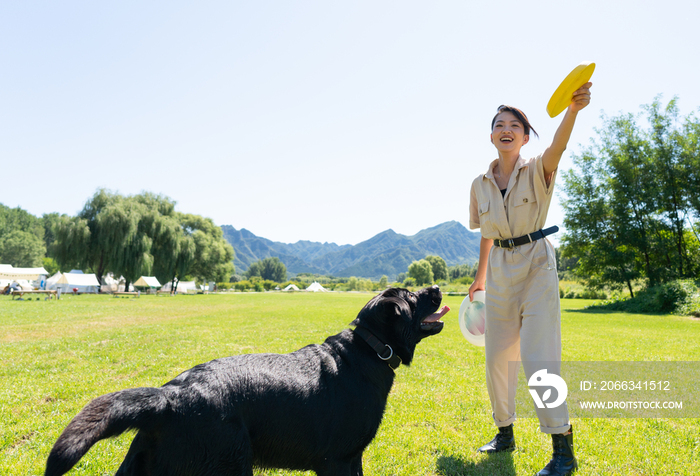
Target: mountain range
[{"x": 387, "y": 253}]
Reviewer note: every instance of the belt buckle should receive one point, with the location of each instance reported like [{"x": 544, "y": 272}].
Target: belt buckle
[{"x": 508, "y": 244}]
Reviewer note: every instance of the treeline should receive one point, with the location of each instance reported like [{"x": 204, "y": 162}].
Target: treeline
[
  {"x": 24, "y": 238},
  {"x": 434, "y": 269},
  {"x": 632, "y": 201},
  {"x": 270, "y": 273},
  {"x": 130, "y": 236}
]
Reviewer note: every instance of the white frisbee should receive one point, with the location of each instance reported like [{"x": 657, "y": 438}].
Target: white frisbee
[{"x": 472, "y": 318}]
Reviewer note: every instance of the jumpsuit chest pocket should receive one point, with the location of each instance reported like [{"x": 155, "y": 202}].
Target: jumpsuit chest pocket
[
  {"x": 526, "y": 197},
  {"x": 485, "y": 218}
]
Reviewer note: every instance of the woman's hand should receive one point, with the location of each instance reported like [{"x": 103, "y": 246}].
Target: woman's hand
[
  {"x": 476, "y": 286},
  {"x": 581, "y": 97},
  {"x": 479, "y": 283}
]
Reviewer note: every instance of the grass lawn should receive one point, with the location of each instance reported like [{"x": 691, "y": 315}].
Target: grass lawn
[{"x": 55, "y": 356}]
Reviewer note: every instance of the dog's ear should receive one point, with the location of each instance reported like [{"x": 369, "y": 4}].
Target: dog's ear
[
  {"x": 389, "y": 318},
  {"x": 382, "y": 309}
]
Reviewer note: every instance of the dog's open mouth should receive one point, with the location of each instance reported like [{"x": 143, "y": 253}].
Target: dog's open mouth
[{"x": 433, "y": 320}]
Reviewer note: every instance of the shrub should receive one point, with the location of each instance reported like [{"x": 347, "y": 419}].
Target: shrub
[
  {"x": 243, "y": 285},
  {"x": 674, "y": 297},
  {"x": 467, "y": 280},
  {"x": 268, "y": 285}
]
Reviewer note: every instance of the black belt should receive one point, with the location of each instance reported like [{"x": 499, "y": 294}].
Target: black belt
[{"x": 523, "y": 240}]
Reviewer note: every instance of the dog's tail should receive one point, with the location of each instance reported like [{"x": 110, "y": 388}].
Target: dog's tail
[{"x": 105, "y": 416}]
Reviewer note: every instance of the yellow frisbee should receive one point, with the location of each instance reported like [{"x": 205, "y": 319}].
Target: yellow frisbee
[{"x": 561, "y": 98}]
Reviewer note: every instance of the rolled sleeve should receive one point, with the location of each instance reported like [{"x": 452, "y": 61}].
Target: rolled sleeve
[
  {"x": 547, "y": 187},
  {"x": 473, "y": 210}
]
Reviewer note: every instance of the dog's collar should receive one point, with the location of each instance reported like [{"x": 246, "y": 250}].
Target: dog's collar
[{"x": 384, "y": 351}]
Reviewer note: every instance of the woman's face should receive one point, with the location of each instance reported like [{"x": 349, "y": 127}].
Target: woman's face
[{"x": 508, "y": 134}]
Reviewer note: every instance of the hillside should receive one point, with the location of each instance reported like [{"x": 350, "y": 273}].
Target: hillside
[{"x": 387, "y": 253}]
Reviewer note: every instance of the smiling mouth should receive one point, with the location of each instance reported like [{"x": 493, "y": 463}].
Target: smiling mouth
[{"x": 507, "y": 139}]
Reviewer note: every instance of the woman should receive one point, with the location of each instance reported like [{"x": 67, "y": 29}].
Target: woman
[{"x": 517, "y": 269}]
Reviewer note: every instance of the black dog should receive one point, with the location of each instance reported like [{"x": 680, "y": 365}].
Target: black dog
[{"x": 314, "y": 409}]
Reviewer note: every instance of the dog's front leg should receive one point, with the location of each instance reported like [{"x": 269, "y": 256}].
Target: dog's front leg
[
  {"x": 338, "y": 468},
  {"x": 356, "y": 466}
]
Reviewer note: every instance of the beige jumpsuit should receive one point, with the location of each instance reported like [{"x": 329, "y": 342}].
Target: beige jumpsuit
[{"x": 522, "y": 288}]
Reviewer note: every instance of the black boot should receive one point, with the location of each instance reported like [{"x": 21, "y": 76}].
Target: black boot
[
  {"x": 563, "y": 461},
  {"x": 503, "y": 441}
]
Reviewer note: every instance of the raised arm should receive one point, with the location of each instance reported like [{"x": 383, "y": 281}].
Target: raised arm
[{"x": 552, "y": 155}]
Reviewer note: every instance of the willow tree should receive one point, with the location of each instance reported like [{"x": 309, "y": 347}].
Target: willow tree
[
  {"x": 173, "y": 251},
  {"x": 213, "y": 255},
  {"x": 142, "y": 234},
  {"x": 78, "y": 241},
  {"x": 127, "y": 245}
]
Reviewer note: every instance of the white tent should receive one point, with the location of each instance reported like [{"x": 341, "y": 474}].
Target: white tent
[
  {"x": 291, "y": 287},
  {"x": 147, "y": 282},
  {"x": 182, "y": 287},
  {"x": 84, "y": 283},
  {"x": 51, "y": 282},
  {"x": 109, "y": 284},
  {"x": 315, "y": 287},
  {"x": 9, "y": 272}
]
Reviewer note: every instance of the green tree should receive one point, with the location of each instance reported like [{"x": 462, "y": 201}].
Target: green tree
[
  {"x": 594, "y": 236},
  {"x": 383, "y": 282},
  {"x": 50, "y": 221},
  {"x": 271, "y": 269},
  {"x": 439, "y": 267},
  {"x": 79, "y": 241},
  {"x": 173, "y": 251},
  {"x": 462, "y": 270},
  {"x": 353, "y": 284},
  {"x": 689, "y": 143},
  {"x": 50, "y": 266},
  {"x": 213, "y": 255},
  {"x": 422, "y": 272},
  {"x": 141, "y": 234},
  {"x": 21, "y": 238},
  {"x": 674, "y": 196},
  {"x": 21, "y": 249},
  {"x": 127, "y": 246},
  {"x": 627, "y": 200}
]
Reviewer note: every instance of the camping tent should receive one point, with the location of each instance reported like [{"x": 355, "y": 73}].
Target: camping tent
[
  {"x": 291, "y": 287},
  {"x": 315, "y": 287},
  {"x": 84, "y": 283},
  {"x": 51, "y": 282},
  {"x": 182, "y": 287},
  {"x": 9, "y": 272},
  {"x": 147, "y": 282},
  {"x": 27, "y": 278},
  {"x": 109, "y": 284}
]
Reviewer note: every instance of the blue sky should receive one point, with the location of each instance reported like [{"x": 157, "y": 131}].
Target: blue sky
[{"x": 299, "y": 120}]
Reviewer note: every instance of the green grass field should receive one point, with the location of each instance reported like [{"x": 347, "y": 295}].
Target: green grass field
[{"x": 55, "y": 356}]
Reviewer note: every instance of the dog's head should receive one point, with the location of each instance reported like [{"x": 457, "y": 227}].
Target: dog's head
[{"x": 401, "y": 318}]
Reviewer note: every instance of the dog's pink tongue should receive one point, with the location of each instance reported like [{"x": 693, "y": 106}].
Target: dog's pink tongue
[{"x": 438, "y": 315}]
